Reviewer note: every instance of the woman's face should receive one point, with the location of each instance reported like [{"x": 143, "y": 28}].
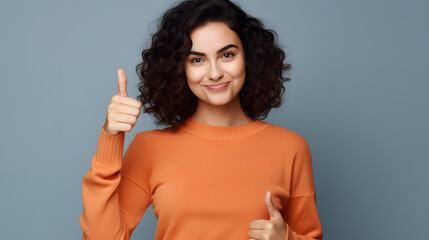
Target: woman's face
[{"x": 216, "y": 57}]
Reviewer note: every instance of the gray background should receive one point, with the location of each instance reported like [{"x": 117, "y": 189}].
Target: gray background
[{"x": 358, "y": 95}]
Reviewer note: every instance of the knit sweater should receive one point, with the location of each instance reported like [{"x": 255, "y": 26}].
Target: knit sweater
[{"x": 204, "y": 182}]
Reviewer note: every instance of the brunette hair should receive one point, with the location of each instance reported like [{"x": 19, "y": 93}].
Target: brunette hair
[{"x": 163, "y": 87}]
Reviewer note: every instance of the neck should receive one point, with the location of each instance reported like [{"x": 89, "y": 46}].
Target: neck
[{"x": 228, "y": 115}]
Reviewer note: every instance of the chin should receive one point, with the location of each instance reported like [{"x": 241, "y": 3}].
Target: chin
[{"x": 219, "y": 100}]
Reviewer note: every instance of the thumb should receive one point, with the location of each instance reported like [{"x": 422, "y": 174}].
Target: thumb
[
  {"x": 122, "y": 83},
  {"x": 272, "y": 210}
]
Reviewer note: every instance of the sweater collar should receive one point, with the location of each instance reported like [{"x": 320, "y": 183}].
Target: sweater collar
[{"x": 223, "y": 133}]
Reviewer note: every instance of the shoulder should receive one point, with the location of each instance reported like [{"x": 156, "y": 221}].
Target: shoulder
[
  {"x": 148, "y": 134},
  {"x": 286, "y": 136},
  {"x": 155, "y": 135}
]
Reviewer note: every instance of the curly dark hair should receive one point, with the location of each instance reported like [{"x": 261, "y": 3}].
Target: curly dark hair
[{"x": 163, "y": 85}]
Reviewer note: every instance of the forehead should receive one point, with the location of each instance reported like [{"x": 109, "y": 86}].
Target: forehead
[{"x": 212, "y": 36}]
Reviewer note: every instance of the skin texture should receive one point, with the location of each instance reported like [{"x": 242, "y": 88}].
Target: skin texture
[{"x": 217, "y": 108}]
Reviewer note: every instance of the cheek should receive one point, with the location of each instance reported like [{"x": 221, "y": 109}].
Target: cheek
[
  {"x": 193, "y": 74},
  {"x": 236, "y": 69},
  {"x": 192, "y": 78}
]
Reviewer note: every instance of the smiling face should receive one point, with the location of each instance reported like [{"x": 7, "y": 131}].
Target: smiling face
[{"x": 216, "y": 57}]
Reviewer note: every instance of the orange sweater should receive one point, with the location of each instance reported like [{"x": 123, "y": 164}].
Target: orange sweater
[{"x": 204, "y": 182}]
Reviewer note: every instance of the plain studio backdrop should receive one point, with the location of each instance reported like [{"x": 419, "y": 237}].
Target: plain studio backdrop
[{"x": 359, "y": 95}]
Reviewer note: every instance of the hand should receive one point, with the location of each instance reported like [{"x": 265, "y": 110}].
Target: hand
[
  {"x": 123, "y": 111},
  {"x": 273, "y": 229}
]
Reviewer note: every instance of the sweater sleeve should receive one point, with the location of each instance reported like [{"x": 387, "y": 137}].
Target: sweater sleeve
[
  {"x": 112, "y": 205},
  {"x": 301, "y": 214}
]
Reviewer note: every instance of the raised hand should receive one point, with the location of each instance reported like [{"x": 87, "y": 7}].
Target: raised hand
[
  {"x": 123, "y": 111},
  {"x": 273, "y": 229}
]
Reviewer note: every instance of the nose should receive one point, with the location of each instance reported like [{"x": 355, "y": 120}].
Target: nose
[{"x": 215, "y": 72}]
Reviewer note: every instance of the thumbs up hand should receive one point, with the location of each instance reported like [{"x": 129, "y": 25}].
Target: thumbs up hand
[
  {"x": 273, "y": 229},
  {"x": 123, "y": 111}
]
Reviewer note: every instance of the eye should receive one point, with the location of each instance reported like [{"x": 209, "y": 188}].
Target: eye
[
  {"x": 230, "y": 53},
  {"x": 196, "y": 59}
]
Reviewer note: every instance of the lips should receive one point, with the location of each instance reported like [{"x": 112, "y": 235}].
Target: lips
[
  {"x": 217, "y": 86},
  {"x": 214, "y": 85}
]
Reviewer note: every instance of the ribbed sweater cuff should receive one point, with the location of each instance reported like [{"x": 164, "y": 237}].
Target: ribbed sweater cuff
[{"x": 110, "y": 149}]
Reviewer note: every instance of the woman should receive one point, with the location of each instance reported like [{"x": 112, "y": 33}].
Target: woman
[{"x": 218, "y": 171}]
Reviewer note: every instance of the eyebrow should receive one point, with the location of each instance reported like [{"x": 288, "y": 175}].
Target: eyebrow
[{"x": 218, "y": 51}]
